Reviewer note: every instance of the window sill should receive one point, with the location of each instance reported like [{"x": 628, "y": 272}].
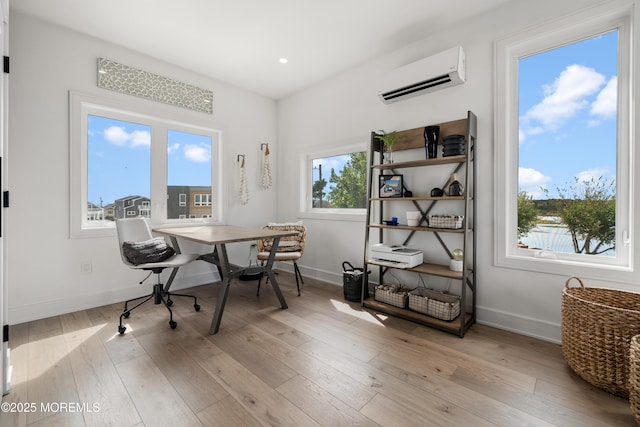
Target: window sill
[
  {"x": 334, "y": 215},
  {"x": 109, "y": 227},
  {"x": 545, "y": 263}
]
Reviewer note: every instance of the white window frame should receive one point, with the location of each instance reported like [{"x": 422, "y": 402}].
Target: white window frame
[
  {"x": 585, "y": 24},
  {"x": 182, "y": 199},
  {"x": 80, "y": 107},
  {"x": 306, "y": 181},
  {"x": 198, "y": 199}
]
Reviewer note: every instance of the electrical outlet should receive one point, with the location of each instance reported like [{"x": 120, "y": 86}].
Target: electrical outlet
[{"x": 86, "y": 267}]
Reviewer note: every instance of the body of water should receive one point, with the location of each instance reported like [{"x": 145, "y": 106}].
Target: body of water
[{"x": 552, "y": 237}]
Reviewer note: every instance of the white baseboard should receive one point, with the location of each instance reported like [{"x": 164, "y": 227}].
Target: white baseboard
[
  {"x": 527, "y": 326},
  {"x": 69, "y": 304},
  {"x": 325, "y": 276}
]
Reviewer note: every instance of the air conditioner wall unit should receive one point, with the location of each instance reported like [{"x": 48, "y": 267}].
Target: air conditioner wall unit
[{"x": 426, "y": 75}]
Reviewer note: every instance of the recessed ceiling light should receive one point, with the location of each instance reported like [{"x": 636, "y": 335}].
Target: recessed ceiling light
[{"x": 283, "y": 60}]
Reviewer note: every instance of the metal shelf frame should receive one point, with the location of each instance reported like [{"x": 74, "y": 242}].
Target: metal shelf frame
[{"x": 413, "y": 138}]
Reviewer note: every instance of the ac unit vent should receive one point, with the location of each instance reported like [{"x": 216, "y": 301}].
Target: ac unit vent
[
  {"x": 417, "y": 87},
  {"x": 436, "y": 72}
]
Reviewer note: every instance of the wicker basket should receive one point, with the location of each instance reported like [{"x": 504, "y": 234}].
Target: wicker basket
[
  {"x": 399, "y": 299},
  {"x": 597, "y": 327},
  {"x": 434, "y": 303},
  {"x": 634, "y": 377},
  {"x": 445, "y": 221}
]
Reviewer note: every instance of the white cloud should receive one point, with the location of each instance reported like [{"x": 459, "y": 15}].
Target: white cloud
[
  {"x": 117, "y": 135},
  {"x": 595, "y": 174},
  {"x": 140, "y": 137},
  {"x": 564, "y": 98},
  {"x": 173, "y": 148},
  {"x": 335, "y": 162},
  {"x": 532, "y": 181},
  {"x": 606, "y": 104},
  {"x": 197, "y": 153}
]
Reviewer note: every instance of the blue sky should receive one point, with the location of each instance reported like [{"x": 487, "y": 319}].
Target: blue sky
[
  {"x": 119, "y": 159},
  {"x": 334, "y": 162},
  {"x": 567, "y": 110}
]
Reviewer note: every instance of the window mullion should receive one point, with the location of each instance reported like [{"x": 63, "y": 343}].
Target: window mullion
[{"x": 159, "y": 173}]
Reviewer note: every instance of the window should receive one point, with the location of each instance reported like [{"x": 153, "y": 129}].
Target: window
[
  {"x": 202, "y": 200},
  {"x": 137, "y": 165},
  {"x": 563, "y": 145},
  {"x": 188, "y": 169},
  {"x": 336, "y": 182}
]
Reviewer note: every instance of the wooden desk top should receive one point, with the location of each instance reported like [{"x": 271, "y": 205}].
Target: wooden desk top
[{"x": 217, "y": 234}]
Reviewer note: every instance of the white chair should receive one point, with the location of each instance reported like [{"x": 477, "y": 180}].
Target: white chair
[
  {"x": 290, "y": 248},
  {"x": 135, "y": 232}
]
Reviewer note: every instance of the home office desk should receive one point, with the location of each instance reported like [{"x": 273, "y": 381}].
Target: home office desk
[{"x": 219, "y": 236}]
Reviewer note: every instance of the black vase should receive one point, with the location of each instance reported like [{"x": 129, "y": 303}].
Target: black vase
[{"x": 431, "y": 134}]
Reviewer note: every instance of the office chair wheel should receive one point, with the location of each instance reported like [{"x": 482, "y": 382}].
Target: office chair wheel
[
  {"x": 173, "y": 324},
  {"x": 169, "y": 303},
  {"x": 121, "y": 329},
  {"x": 196, "y": 306}
]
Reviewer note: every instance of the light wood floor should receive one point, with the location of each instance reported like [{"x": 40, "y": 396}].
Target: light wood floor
[{"x": 324, "y": 361}]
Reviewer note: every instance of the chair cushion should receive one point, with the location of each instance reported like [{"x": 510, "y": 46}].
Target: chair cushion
[
  {"x": 149, "y": 251},
  {"x": 280, "y": 256}
]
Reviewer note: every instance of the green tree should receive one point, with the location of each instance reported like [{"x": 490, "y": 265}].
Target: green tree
[
  {"x": 318, "y": 193},
  {"x": 589, "y": 211},
  {"x": 350, "y": 187},
  {"x": 527, "y": 214}
]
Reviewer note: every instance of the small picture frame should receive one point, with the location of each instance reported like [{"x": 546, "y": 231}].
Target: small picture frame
[{"x": 390, "y": 186}]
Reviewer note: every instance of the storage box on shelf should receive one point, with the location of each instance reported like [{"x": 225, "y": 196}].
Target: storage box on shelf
[
  {"x": 392, "y": 295},
  {"x": 435, "y": 304},
  {"x": 446, "y": 221},
  {"x": 448, "y": 312}
]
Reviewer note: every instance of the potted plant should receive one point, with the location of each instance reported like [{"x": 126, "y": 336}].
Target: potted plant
[{"x": 389, "y": 139}]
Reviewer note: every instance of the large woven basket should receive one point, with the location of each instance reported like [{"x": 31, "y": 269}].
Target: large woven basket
[
  {"x": 634, "y": 377},
  {"x": 597, "y": 327}
]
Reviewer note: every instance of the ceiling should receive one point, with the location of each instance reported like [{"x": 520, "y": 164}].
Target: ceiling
[{"x": 240, "y": 41}]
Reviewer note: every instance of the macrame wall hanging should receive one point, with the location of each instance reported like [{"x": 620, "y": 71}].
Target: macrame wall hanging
[
  {"x": 243, "y": 192},
  {"x": 266, "y": 167}
]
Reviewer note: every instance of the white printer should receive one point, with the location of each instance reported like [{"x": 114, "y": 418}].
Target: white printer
[{"x": 397, "y": 256}]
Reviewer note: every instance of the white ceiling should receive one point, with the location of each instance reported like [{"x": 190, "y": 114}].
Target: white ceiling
[{"x": 240, "y": 41}]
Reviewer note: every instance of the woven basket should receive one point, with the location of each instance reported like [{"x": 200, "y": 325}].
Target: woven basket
[
  {"x": 634, "y": 377},
  {"x": 597, "y": 327},
  {"x": 445, "y": 221},
  {"x": 399, "y": 299},
  {"x": 434, "y": 303}
]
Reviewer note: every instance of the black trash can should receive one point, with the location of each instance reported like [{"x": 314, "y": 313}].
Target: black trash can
[{"x": 352, "y": 279}]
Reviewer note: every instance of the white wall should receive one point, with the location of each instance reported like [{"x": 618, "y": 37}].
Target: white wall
[
  {"x": 46, "y": 62},
  {"x": 345, "y": 107},
  {"x": 43, "y": 262}
]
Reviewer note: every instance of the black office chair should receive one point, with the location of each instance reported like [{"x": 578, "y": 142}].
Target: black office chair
[{"x": 139, "y": 250}]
